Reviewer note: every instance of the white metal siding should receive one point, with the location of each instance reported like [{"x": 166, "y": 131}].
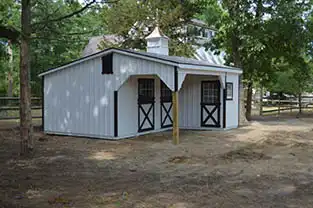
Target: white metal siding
[
  {"x": 190, "y": 99},
  {"x": 127, "y": 70},
  {"x": 232, "y": 110},
  {"x": 80, "y": 101},
  {"x": 124, "y": 66}
]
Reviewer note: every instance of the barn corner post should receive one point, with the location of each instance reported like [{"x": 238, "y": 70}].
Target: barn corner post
[
  {"x": 43, "y": 103},
  {"x": 116, "y": 113},
  {"x": 224, "y": 88},
  {"x": 175, "y": 102}
]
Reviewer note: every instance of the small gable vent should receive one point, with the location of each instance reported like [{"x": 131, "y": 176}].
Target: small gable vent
[{"x": 107, "y": 64}]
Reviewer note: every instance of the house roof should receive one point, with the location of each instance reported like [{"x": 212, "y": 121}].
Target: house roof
[
  {"x": 94, "y": 43},
  {"x": 201, "y": 24},
  {"x": 181, "y": 62}
]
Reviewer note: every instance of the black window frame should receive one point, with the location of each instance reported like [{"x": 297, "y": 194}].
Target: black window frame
[
  {"x": 214, "y": 92},
  {"x": 146, "y": 91},
  {"x": 166, "y": 93},
  {"x": 227, "y": 90}
]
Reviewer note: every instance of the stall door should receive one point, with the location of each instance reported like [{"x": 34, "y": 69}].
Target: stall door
[
  {"x": 210, "y": 104},
  {"x": 146, "y": 102},
  {"x": 166, "y": 106}
]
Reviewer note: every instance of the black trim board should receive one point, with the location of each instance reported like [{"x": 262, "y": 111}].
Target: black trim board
[
  {"x": 176, "y": 78},
  {"x": 115, "y": 113},
  {"x": 239, "y": 103}
]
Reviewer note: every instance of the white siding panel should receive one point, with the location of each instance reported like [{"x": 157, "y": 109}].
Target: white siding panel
[
  {"x": 125, "y": 66},
  {"x": 79, "y": 101},
  {"x": 127, "y": 108},
  {"x": 232, "y": 106}
]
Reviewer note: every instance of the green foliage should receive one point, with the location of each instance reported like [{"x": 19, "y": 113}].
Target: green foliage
[
  {"x": 293, "y": 79},
  {"x": 5, "y": 68},
  {"x": 258, "y": 35},
  {"x": 212, "y": 13},
  {"x": 130, "y": 18},
  {"x": 52, "y": 42},
  {"x": 9, "y": 13}
]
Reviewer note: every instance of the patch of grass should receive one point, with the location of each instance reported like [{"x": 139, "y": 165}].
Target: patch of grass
[{"x": 245, "y": 153}]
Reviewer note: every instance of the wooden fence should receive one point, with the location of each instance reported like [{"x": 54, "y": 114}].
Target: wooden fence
[
  {"x": 279, "y": 106},
  {"x": 9, "y": 107}
]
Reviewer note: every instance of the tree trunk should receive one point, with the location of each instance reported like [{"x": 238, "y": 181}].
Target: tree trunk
[
  {"x": 261, "y": 101},
  {"x": 10, "y": 77},
  {"x": 242, "y": 111},
  {"x": 26, "y": 128},
  {"x": 249, "y": 101},
  {"x": 300, "y": 103}
]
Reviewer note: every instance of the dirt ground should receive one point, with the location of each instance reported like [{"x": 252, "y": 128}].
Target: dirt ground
[{"x": 266, "y": 164}]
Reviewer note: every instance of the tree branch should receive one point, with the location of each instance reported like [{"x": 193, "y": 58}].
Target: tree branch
[
  {"x": 64, "y": 35},
  {"x": 9, "y": 33},
  {"x": 68, "y": 15},
  {"x": 74, "y": 13}
]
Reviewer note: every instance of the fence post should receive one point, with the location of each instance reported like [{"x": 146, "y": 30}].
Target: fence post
[
  {"x": 279, "y": 106},
  {"x": 290, "y": 104},
  {"x": 6, "y": 107}
]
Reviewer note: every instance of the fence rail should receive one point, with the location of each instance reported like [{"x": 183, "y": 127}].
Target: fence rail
[
  {"x": 284, "y": 105},
  {"x": 9, "y": 107}
]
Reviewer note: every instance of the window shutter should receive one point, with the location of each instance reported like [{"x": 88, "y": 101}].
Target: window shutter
[{"x": 107, "y": 64}]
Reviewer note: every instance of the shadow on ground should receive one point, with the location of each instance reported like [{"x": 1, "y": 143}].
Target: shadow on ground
[{"x": 255, "y": 166}]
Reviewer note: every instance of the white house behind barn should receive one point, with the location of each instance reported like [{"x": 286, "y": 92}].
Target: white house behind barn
[{"x": 118, "y": 93}]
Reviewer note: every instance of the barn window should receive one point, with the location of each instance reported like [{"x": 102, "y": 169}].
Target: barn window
[
  {"x": 166, "y": 93},
  {"x": 107, "y": 64},
  {"x": 210, "y": 92},
  {"x": 229, "y": 91},
  {"x": 145, "y": 90}
]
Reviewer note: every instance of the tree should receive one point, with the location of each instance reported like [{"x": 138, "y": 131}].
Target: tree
[
  {"x": 64, "y": 39},
  {"x": 256, "y": 34},
  {"x": 130, "y": 19},
  {"x": 31, "y": 25},
  {"x": 295, "y": 79}
]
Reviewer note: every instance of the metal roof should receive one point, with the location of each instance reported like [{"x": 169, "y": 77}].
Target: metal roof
[
  {"x": 170, "y": 60},
  {"x": 179, "y": 59}
]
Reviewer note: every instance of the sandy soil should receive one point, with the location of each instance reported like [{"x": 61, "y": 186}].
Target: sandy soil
[{"x": 266, "y": 164}]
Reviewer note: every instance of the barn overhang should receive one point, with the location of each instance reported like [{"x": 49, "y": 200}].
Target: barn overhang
[{"x": 196, "y": 70}]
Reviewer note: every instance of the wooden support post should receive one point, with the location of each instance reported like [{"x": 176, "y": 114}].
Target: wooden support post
[
  {"x": 175, "y": 118},
  {"x": 175, "y": 109}
]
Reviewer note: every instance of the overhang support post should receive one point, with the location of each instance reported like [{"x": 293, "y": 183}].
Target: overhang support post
[{"x": 175, "y": 101}]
